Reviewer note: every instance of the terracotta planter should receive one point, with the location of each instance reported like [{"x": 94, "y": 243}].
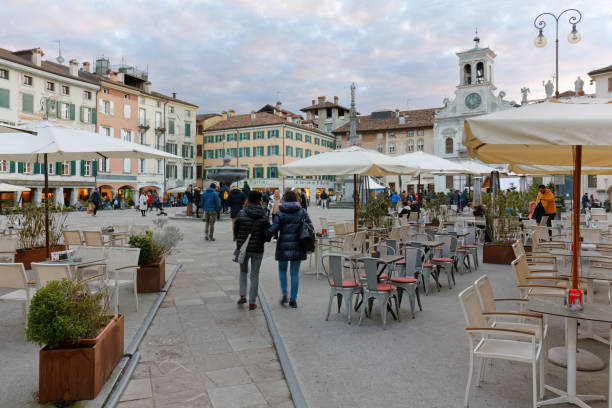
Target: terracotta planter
[
  {"x": 78, "y": 372},
  {"x": 27, "y": 256},
  {"x": 497, "y": 254},
  {"x": 151, "y": 277}
]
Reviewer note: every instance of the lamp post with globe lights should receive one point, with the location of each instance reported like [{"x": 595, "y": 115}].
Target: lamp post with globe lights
[{"x": 573, "y": 37}]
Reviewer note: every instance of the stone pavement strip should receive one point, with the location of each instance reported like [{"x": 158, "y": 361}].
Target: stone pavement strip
[{"x": 203, "y": 350}]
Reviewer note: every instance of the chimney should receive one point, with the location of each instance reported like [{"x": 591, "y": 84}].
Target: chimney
[
  {"x": 173, "y": 95},
  {"x": 335, "y": 100},
  {"x": 112, "y": 75},
  {"x": 147, "y": 87},
  {"x": 121, "y": 77},
  {"x": 313, "y": 102},
  {"x": 253, "y": 116},
  {"x": 232, "y": 113},
  {"x": 397, "y": 115},
  {"x": 86, "y": 66},
  {"x": 74, "y": 67},
  {"x": 224, "y": 115},
  {"x": 321, "y": 100},
  {"x": 402, "y": 120},
  {"x": 37, "y": 55},
  {"x": 279, "y": 105}
]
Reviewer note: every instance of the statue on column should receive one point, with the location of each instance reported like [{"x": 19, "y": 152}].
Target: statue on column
[
  {"x": 578, "y": 85},
  {"x": 549, "y": 88},
  {"x": 524, "y": 91}
]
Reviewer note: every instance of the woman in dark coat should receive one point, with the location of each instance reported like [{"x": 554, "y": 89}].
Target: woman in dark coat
[{"x": 288, "y": 252}]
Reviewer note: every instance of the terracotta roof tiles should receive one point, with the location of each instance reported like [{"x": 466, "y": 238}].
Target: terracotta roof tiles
[{"x": 419, "y": 118}]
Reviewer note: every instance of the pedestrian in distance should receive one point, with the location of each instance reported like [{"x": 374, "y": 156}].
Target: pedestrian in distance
[
  {"x": 149, "y": 201},
  {"x": 196, "y": 200},
  {"x": 211, "y": 204},
  {"x": 94, "y": 202},
  {"x": 188, "y": 200},
  {"x": 251, "y": 220},
  {"x": 394, "y": 200},
  {"x": 546, "y": 199},
  {"x": 236, "y": 202},
  {"x": 289, "y": 254},
  {"x": 324, "y": 200},
  {"x": 142, "y": 204},
  {"x": 304, "y": 200}
]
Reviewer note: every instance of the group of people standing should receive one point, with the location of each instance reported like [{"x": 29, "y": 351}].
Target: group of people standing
[{"x": 149, "y": 201}]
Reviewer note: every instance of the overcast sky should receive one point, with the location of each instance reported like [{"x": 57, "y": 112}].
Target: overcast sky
[{"x": 241, "y": 54}]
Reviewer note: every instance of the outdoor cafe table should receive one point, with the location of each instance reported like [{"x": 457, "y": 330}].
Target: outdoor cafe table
[
  {"x": 74, "y": 263},
  {"x": 592, "y": 312}
]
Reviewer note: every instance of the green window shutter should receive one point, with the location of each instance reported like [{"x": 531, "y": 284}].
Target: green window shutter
[
  {"x": 36, "y": 168},
  {"x": 19, "y": 167},
  {"x": 5, "y": 96},
  {"x": 58, "y": 168},
  {"x": 73, "y": 168},
  {"x": 72, "y": 111},
  {"x": 28, "y": 103},
  {"x": 82, "y": 167},
  {"x": 188, "y": 129},
  {"x": 94, "y": 116},
  {"x": 171, "y": 126},
  {"x": 82, "y": 115},
  {"x": 267, "y": 172},
  {"x": 94, "y": 168},
  {"x": 12, "y": 167}
]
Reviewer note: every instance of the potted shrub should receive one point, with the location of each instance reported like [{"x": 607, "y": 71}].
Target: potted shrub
[
  {"x": 503, "y": 226},
  {"x": 30, "y": 226},
  {"x": 372, "y": 212},
  {"x": 154, "y": 247},
  {"x": 82, "y": 344}
]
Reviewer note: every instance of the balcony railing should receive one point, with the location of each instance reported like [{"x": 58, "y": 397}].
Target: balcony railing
[{"x": 144, "y": 123}]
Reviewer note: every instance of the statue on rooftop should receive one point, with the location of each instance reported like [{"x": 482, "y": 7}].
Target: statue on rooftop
[
  {"x": 578, "y": 85},
  {"x": 524, "y": 91},
  {"x": 549, "y": 88}
]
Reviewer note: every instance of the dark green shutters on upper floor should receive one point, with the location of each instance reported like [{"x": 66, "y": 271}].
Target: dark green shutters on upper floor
[{"x": 187, "y": 129}]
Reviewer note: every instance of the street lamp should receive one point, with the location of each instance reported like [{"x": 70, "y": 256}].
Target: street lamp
[{"x": 573, "y": 37}]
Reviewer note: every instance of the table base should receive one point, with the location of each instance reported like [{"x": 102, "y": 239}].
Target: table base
[
  {"x": 585, "y": 360},
  {"x": 563, "y": 398}
]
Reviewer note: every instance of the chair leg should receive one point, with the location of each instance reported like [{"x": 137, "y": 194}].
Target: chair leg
[
  {"x": 339, "y": 300},
  {"x": 363, "y": 308},
  {"x": 534, "y": 377},
  {"x": 136, "y": 296},
  {"x": 383, "y": 311},
  {"x": 397, "y": 311},
  {"x": 469, "y": 381},
  {"x": 329, "y": 306},
  {"x": 348, "y": 303},
  {"x": 418, "y": 297},
  {"x": 543, "y": 353},
  {"x": 479, "y": 374}
]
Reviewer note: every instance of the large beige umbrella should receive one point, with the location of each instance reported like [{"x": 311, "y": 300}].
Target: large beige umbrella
[
  {"x": 354, "y": 161},
  {"x": 45, "y": 140},
  {"x": 543, "y": 169},
  {"x": 11, "y": 188},
  {"x": 560, "y": 133}
]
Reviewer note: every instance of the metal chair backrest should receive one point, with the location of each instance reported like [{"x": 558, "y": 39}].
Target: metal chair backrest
[
  {"x": 521, "y": 270},
  {"x": 470, "y": 239},
  {"x": 392, "y": 243},
  {"x": 93, "y": 238},
  {"x": 371, "y": 271},
  {"x": 485, "y": 293},
  {"x": 470, "y": 304},
  {"x": 72, "y": 237},
  {"x": 13, "y": 276},
  {"x": 449, "y": 245},
  {"x": 44, "y": 273},
  {"x": 337, "y": 263},
  {"x": 414, "y": 260},
  {"x": 383, "y": 249},
  {"x": 347, "y": 243},
  {"x": 138, "y": 230},
  {"x": 422, "y": 236}
]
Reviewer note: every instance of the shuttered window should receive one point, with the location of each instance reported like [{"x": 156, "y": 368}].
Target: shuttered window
[
  {"x": 27, "y": 103},
  {"x": 4, "y": 98}
]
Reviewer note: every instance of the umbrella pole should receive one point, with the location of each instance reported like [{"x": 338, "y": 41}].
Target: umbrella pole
[
  {"x": 576, "y": 215},
  {"x": 355, "y": 201},
  {"x": 46, "y": 207}
]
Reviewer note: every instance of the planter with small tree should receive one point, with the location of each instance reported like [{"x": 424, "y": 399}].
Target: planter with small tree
[{"x": 82, "y": 344}]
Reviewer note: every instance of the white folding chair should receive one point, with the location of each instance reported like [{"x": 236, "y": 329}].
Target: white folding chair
[
  {"x": 8, "y": 248},
  {"x": 44, "y": 273},
  {"x": 13, "y": 276},
  {"x": 122, "y": 269}
]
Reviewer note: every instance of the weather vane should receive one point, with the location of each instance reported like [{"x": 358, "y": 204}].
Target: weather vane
[{"x": 59, "y": 59}]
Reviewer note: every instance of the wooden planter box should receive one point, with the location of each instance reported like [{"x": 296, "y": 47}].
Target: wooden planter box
[
  {"x": 497, "y": 254},
  {"x": 27, "y": 256},
  {"x": 152, "y": 277},
  {"x": 79, "y": 372}
]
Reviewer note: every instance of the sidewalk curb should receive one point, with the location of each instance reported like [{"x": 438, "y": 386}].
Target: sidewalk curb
[
  {"x": 131, "y": 353},
  {"x": 292, "y": 382}
]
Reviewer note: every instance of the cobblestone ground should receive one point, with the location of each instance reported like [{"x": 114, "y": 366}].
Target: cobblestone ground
[{"x": 202, "y": 350}]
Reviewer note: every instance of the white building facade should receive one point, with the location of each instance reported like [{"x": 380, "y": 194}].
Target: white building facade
[
  {"x": 474, "y": 96},
  {"x": 33, "y": 89}
]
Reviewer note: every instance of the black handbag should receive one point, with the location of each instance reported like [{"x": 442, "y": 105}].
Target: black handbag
[{"x": 306, "y": 236}]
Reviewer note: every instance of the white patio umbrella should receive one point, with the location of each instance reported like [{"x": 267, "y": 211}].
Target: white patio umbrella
[
  {"x": 559, "y": 133},
  {"x": 48, "y": 141},
  {"x": 542, "y": 169},
  {"x": 354, "y": 161},
  {"x": 11, "y": 188},
  {"x": 474, "y": 168},
  {"x": 431, "y": 164}
]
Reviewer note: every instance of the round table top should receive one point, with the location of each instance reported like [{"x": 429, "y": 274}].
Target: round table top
[{"x": 554, "y": 306}]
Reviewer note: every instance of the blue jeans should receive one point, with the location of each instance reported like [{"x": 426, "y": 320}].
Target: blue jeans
[{"x": 295, "y": 277}]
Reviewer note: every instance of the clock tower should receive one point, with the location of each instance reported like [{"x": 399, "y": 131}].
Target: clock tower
[{"x": 474, "y": 95}]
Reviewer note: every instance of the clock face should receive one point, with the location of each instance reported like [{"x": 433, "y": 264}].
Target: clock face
[{"x": 473, "y": 100}]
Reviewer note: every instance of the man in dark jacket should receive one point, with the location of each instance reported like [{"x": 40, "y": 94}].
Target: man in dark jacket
[
  {"x": 251, "y": 220},
  {"x": 196, "y": 200},
  {"x": 96, "y": 200},
  {"x": 236, "y": 201},
  {"x": 210, "y": 204},
  {"x": 304, "y": 200},
  {"x": 287, "y": 223}
]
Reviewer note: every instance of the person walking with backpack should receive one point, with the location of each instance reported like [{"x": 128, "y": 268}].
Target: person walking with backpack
[
  {"x": 211, "y": 204},
  {"x": 236, "y": 202},
  {"x": 289, "y": 254},
  {"x": 251, "y": 221}
]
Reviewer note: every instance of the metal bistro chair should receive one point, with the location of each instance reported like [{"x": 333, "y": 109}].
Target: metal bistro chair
[
  {"x": 44, "y": 273},
  {"x": 384, "y": 249},
  {"x": 13, "y": 276},
  {"x": 471, "y": 247},
  {"x": 408, "y": 281},
  {"x": 383, "y": 292},
  {"x": 341, "y": 286},
  {"x": 445, "y": 257},
  {"x": 122, "y": 269},
  {"x": 487, "y": 342},
  {"x": 72, "y": 238},
  {"x": 529, "y": 288}
]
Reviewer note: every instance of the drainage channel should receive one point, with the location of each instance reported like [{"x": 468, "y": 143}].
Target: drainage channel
[{"x": 132, "y": 354}]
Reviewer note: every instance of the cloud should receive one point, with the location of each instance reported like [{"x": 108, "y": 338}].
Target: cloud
[{"x": 240, "y": 54}]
